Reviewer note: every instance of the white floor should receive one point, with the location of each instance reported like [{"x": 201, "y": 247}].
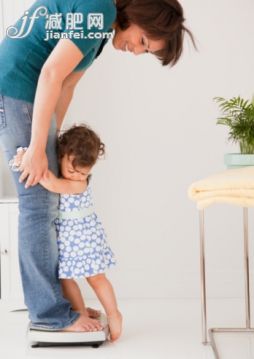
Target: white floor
[{"x": 153, "y": 329}]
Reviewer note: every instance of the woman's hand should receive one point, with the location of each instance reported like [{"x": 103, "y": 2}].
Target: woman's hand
[{"x": 34, "y": 166}]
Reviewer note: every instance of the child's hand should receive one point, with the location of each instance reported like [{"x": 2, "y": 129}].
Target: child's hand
[
  {"x": 19, "y": 156},
  {"x": 15, "y": 162}
]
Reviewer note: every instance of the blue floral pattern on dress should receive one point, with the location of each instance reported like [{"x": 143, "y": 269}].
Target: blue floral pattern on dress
[{"x": 82, "y": 243}]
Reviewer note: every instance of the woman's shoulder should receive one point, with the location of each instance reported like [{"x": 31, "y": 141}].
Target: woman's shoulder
[
  {"x": 105, "y": 7},
  {"x": 94, "y": 3}
]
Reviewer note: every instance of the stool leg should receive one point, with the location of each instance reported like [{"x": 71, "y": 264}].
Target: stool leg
[
  {"x": 246, "y": 267},
  {"x": 203, "y": 276}
]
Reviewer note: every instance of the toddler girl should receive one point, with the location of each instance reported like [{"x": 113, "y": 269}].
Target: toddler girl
[{"x": 82, "y": 244}]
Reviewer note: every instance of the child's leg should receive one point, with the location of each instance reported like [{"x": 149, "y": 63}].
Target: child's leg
[
  {"x": 72, "y": 292},
  {"x": 105, "y": 293}
]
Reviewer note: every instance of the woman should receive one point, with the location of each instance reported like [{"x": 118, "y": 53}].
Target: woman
[{"x": 39, "y": 72}]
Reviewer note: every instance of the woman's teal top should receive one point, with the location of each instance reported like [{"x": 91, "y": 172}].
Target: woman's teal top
[{"x": 29, "y": 42}]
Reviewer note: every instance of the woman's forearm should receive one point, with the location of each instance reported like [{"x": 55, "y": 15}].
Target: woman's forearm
[
  {"x": 66, "y": 95},
  {"x": 62, "y": 105},
  {"x": 47, "y": 94}
]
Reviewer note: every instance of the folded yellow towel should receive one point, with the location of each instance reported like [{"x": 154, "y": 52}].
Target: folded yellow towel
[{"x": 235, "y": 186}]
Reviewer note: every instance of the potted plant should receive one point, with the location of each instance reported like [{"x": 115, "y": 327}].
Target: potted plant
[{"x": 238, "y": 114}]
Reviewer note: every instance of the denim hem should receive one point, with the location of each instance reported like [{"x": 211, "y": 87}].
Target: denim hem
[{"x": 51, "y": 329}]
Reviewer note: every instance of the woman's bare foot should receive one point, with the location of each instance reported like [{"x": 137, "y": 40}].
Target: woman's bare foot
[
  {"x": 93, "y": 313},
  {"x": 115, "y": 325},
  {"x": 84, "y": 324},
  {"x": 90, "y": 312}
]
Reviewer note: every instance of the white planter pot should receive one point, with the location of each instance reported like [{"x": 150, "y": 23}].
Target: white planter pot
[{"x": 235, "y": 160}]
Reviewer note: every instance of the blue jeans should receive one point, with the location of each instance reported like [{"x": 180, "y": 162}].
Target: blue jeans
[{"x": 38, "y": 252}]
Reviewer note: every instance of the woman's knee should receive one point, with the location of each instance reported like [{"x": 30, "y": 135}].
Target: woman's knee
[{"x": 38, "y": 201}]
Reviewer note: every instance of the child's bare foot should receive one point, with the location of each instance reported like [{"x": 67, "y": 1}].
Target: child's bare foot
[
  {"x": 115, "y": 325},
  {"x": 84, "y": 324}
]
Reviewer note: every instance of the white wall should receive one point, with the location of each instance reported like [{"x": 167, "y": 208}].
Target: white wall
[{"x": 159, "y": 126}]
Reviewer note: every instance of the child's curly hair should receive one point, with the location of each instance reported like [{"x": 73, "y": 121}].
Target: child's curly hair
[{"x": 82, "y": 143}]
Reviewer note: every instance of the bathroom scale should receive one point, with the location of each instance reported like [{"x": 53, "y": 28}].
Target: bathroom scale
[{"x": 45, "y": 338}]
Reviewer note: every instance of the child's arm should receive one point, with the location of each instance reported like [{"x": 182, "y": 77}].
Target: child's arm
[
  {"x": 50, "y": 181},
  {"x": 62, "y": 185}
]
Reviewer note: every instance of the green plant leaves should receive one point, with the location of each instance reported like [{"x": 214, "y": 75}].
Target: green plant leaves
[{"x": 238, "y": 114}]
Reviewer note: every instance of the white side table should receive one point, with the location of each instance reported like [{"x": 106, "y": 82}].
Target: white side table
[{"x": 10, "y": 280}]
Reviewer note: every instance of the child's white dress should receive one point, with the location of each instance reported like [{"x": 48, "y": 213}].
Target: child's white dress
[{"x": 82, "y": 245}]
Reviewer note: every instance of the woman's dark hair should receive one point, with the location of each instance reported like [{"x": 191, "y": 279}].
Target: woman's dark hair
[
  {"x": 161, "y": 20},
  {"x": 82, "y": 143}
]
